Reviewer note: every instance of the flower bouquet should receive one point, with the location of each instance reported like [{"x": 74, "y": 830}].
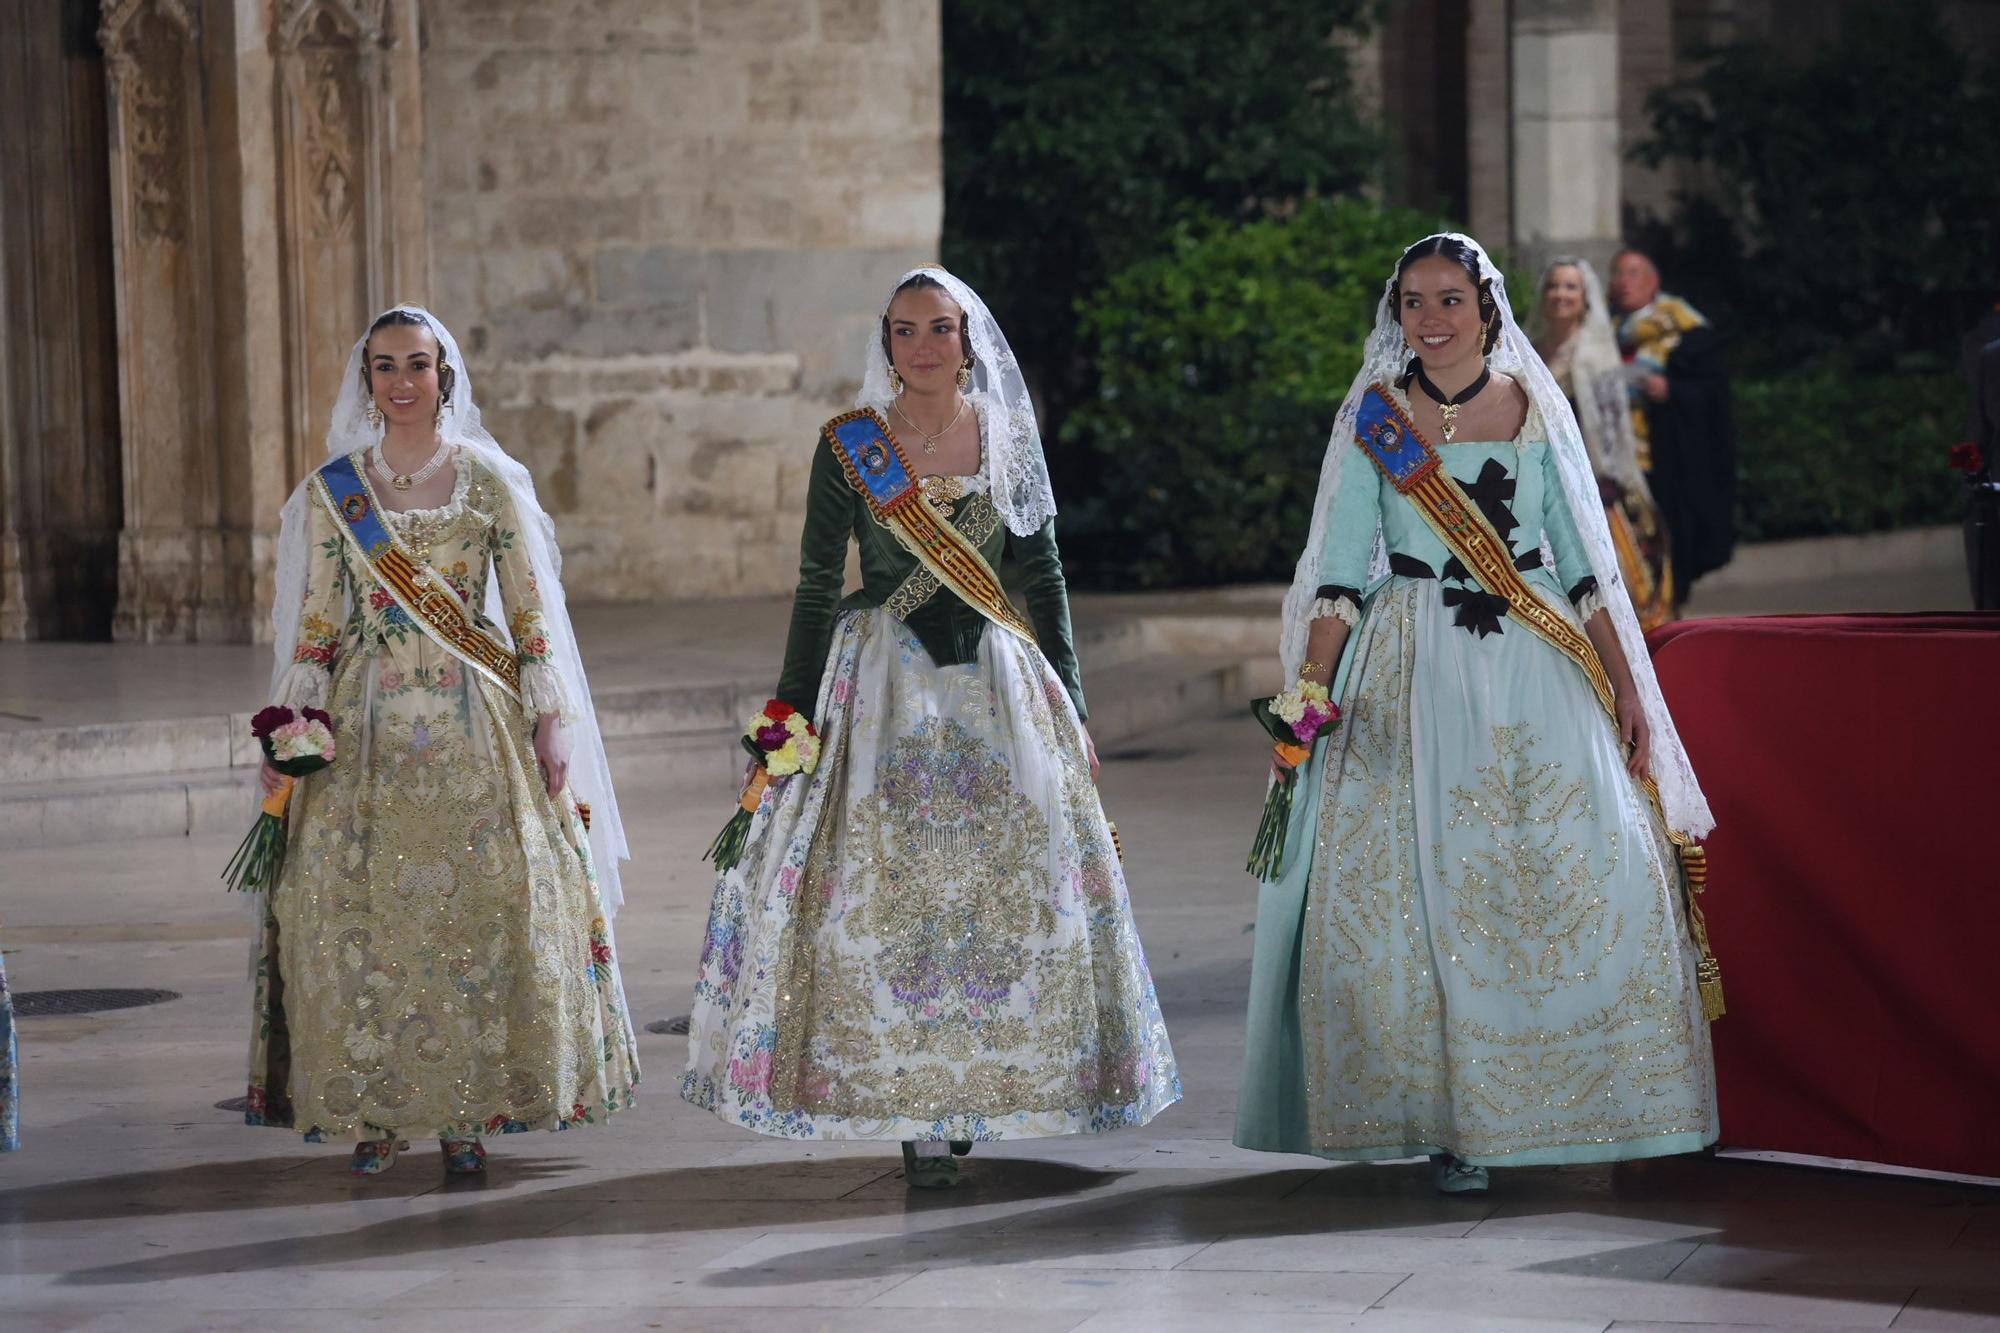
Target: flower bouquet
[
  {"x": 1295, "y": 719},
  {"x": 781, "y": 742},
  {"x": 296, "y": 744}
]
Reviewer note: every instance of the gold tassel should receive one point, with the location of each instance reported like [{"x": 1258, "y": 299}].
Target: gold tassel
[
  {"x": 1708, "y": 972},
  {"x": 1116, "y": 845}
]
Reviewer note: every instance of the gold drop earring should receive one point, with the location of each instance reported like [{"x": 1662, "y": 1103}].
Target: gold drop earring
[
  {"x": 895, "y": 381},
  {"x": 373, "y": 413},
  {"x": 965, "y": 375}
]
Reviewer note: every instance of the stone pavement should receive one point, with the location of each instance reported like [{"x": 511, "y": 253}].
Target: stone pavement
[{"x": 138, "y": 1204}]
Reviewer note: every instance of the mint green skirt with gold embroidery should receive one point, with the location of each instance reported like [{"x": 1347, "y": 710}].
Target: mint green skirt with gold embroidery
[{"x": 1477, "y": 945}]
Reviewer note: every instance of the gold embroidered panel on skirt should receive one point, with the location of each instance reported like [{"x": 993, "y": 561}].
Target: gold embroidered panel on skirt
[
  {"x": 1522, "y": 981},
  {"x": 933, "y": 975},
  {"x": 1528, "y": 904},
  {"x": 443, "y": 964}
]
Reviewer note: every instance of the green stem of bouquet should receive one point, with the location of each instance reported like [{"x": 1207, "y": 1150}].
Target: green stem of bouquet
[
  {"x": 1267, "y": 852},
  {"x": 727, "y": 849}
]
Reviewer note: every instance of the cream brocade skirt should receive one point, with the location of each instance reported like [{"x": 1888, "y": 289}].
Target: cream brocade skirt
[
  {"x": 434, "y": 961},
  {"x": 929, "y": 937}
]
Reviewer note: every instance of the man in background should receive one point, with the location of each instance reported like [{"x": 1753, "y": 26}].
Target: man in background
[{"x": 1680, "y": 409}]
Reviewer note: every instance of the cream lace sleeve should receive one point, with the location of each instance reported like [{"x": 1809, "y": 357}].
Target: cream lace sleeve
[
  {"x": 306, "y": 682},
  {"x": 542, "y": 688}
]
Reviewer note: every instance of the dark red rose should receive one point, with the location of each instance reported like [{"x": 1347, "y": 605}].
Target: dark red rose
[
  {"x": 314, "y": 715},
  {"x": 269, "y": 720},
  {"x": 778, "y": 710}
]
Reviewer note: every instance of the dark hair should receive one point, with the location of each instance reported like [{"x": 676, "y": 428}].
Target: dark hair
[
  {"x": 1458, "y": 252},
  {"x": 410, "y": 319},
  {"x": 918, "y": 282}
]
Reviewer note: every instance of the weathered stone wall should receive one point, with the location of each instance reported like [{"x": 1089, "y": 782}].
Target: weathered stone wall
[{"x": 662, "y": 230}]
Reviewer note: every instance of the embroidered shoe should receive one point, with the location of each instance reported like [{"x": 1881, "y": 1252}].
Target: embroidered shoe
[
  {"x": 463, "y": 1157},
  {"x": 374, "y": 1156},
  {"x": 1452, "y": 1176},
  {"x": 928, "y": 1173}
]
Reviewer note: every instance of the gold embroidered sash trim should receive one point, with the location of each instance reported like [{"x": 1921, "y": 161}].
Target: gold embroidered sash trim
[
  {"x": 879, "y": 471},
  {"x": 1443, "y": 504},
  {"x": 423, "y": 594},
  {"x": 977, "y": 521}
]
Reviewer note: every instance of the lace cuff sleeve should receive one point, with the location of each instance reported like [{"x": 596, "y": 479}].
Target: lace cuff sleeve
[
  {"x": 1588, "y": 598},
  {"x": 542, "y": 691},
  {"x": 1339, "y": 603},
  {"x": 304, "y": 685}
]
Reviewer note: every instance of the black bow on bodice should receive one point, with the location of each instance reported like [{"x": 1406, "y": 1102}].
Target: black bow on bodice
[
  {"x": 1491, "y": 492},
  {"x": 1476, "y": 609}
]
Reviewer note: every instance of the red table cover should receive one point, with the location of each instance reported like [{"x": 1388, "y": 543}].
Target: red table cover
[{"x": 1855, "y": 889}]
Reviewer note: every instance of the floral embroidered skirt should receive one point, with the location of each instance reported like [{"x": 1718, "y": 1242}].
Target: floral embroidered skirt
[
  {"x": 433, "y": 959},
  {"x": 929, "y": 936},
  {"x": 1478, "y": 943}
]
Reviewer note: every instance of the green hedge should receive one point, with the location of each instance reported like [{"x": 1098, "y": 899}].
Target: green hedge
[
  {"x": 1222, "y": 360},
  {"x": 1828, "y": 453},
  {"x": 1220, "y": 364}
]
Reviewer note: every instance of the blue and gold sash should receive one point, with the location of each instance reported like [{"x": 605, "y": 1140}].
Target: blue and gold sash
[
  {"x": 878, "y": 469},
  {"x": 424, "y": 595},
  {"x": 1412, "y": 466}
]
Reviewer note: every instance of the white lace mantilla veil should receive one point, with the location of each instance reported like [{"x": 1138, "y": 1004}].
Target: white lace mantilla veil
[
  {"x": 1597, "y": 375},
  {"x": 1685, "y": 807},
  {"x": 349, "y": 430},
  {"x": 1016, "y": 473}
]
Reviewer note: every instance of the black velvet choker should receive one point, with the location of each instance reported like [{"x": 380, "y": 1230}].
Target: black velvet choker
[{"x": 1448, "y": 407}]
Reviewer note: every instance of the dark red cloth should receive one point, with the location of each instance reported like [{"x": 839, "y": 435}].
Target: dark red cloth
[{"x": 1855, "y": 888}]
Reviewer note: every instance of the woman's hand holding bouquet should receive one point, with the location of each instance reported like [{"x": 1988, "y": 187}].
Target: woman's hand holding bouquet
[
  {"x": 1295, "y": 719},
  {"x": 294, "y": 745}
]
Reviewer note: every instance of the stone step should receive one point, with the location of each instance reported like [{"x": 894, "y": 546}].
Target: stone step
[
  {"x": 202, "y": 744},
  {"x": 687, "y": 734}
]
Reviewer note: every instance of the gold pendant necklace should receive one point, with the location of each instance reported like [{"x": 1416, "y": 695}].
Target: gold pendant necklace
[
  {"x": 930, "y": 440},
  {"x": 1448, "y": 406}
]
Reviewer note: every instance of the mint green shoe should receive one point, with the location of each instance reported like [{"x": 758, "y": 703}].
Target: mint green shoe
[{"x": 1452, "y": 1176}]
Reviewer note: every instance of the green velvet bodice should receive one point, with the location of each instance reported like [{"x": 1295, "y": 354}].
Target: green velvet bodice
[{"x": 948, "y": 628}]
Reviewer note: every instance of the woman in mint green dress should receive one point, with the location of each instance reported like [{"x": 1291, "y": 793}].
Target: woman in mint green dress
[{"x": 1477, "y": 948}]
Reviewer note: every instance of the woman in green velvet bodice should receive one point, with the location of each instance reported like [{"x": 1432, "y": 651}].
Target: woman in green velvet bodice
[
  {"x": 949, "y": 629},
  {"x": 928, "y": 937}
]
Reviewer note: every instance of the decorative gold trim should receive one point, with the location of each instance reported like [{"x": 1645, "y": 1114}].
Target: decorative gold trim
[{"x": 427, "y": 598}]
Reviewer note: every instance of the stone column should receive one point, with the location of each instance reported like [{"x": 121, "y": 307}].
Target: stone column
[
  {"x": 160, "y": 152},
  {"x": 59, "y": 464},
  {"x": 267, "y": 197},
  {"x": 1489, "y": 118},
  {"x": 350, "y": 178},
  {"x": 1564, "y": 64}
]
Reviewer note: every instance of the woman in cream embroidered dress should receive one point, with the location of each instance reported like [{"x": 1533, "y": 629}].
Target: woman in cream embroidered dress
[
  {"x": 1571, "y": 330},
  {"x": 1476, "y": 950},
  {"x": 437, "y": 953},
  {"x": 929, "y": 939}
]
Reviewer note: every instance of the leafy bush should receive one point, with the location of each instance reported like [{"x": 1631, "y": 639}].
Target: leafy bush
[
  {"x": 1853, "y": 218},
  {"x": 1828, "y": 453},
  {"x": 1220, "y": 364},
  {"x": 1078, "y": 130}
]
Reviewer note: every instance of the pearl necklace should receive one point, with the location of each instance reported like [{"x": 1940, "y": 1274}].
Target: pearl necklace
[{"x": 417, "y": 478}]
